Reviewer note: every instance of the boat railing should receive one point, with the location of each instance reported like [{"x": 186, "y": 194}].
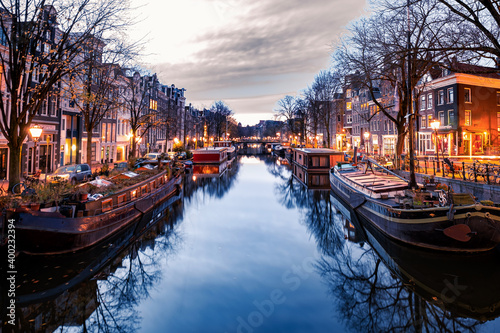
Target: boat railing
[{"x": 384, "y": 169}]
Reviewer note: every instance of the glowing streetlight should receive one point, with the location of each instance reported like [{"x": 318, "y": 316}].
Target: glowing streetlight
[
  {"x": 435, "y": 125},
  {"x": 36, "y": 133}
]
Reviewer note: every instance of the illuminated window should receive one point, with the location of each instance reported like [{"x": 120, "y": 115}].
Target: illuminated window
[
  {"x": 348, "y": 106},
  {"x": 422, "y": 124},
  {"x": 429, "y": 119},
  {"x": 498, "y": 121},
  {"x": 467, "y": 95},
  {"x": 467, "y": 118}
]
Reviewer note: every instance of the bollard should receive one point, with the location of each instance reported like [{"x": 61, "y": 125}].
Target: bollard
[
  {"x": 434, "y": 166},
  {"x": 443, "y": 168},
  {"x": 487, "y": 175},
  {"x": 425, "y": 165},
  {"x": 463, "y": 169},
  {"x": 474, "y": 170}
]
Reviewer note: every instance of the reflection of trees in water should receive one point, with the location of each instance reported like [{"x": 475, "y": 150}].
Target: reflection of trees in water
[
  {"x": 369, "y": 297},
  {"x": 316, "y": 209},
  {"x": 107, "y": 301},
  {"x": 119, "y": 294}
]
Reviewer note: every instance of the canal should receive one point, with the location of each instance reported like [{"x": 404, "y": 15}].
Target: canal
[{"x": 253, "y": 251}]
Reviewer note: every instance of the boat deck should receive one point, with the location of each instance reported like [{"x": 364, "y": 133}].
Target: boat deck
[{"x": 375, "y": 182}]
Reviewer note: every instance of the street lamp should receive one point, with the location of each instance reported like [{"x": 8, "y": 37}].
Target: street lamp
[
  {"x": 367, "y": 136},
  {"x": 36, "y": 133},
  {"x": 195, "y": 143},
  {"x": 435, "y": 125}
]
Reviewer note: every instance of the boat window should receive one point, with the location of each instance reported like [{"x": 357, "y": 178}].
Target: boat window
[
  {"x": 121, "y": 198},
  {"x": 152, "y": 185},
  {"x": 144, "y": 189},
  {"x": 107, "y": 205},
  {"x": 133, "y": 194}
]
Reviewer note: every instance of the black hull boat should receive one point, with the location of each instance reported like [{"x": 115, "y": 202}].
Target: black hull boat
[
  {"x": 465, "y": 284},
  {"x": 90, "y": 223},
  {"x": 376, "y": 197}
]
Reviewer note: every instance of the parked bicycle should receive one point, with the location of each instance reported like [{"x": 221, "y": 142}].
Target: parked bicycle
[{"x": 27, "y": 187}]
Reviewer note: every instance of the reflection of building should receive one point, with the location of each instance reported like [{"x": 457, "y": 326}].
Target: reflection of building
[{"x": 311, "y": 166}]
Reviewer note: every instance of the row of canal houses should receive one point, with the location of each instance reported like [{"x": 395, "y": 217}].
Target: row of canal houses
[
  {"x": 64, "y": 139},
  {"x": 466, "y": 102}
]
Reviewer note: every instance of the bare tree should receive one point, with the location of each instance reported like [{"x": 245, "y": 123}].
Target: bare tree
[
  {"x": 321, "y": 95},
  {"x": 219, "y": 117},
  {"x": 136, "y": 105},
  {"x": 287, "y": 108},
  {"x": 39, "y": 40},
  {"x": 379, "y": 55}
]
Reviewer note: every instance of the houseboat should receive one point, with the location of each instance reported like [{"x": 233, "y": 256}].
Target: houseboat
[
  {"x": 311, "y": 166},
  {"x": 231, "y": 150},
  {"x": 434, "y": 219},
  {"x": 84, "y": 224},
  {"x": 210, "y": 155}
]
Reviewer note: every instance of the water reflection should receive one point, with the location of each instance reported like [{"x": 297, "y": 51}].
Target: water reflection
[
  {"x": 96, "y": 289},
  {"x": 391, "y": 287}
]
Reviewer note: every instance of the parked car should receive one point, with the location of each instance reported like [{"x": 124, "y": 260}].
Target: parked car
[
  {"x": 152, "y": 156},
  {"x": 72, "y": 173}
]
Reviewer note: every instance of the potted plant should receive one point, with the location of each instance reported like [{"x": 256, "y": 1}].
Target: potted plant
[{"x": 81, "y": 193}]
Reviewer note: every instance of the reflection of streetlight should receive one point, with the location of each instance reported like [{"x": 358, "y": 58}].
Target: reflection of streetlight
[
  {"x": 435, "y": 125},
  {"x": 366, "y": 135},
  {"x": 36, "y": 132}
]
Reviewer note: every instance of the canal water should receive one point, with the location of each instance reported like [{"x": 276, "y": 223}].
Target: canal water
[{"x": 252, "y": 250}]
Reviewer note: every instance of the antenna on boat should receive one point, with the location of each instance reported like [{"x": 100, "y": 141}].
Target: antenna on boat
[{"x": 411, "y": 119}]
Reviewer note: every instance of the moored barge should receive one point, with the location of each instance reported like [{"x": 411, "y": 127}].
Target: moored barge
[
  {"x": 89, "y": 223},
  {"x": 451, "y": 222}
]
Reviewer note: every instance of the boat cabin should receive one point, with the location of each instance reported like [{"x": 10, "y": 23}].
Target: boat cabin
[
  {"x": 209, "y": 155},
  {"x": 311, "y": 166}
]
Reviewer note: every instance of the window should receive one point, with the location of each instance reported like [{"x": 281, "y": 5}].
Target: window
[
  {"x": 422, "y": 122},
  {"x": 467, "y": 120},
  {"x": 467, "y": 95},
  {"x": 429, "y": 119},
  {"x": 498, "y": 121},
  {"x": 429, "y": 101},
  {"x": 498, "y": 97},
  {"x": 349, "y": 118},
  {"x": 440, "y": 97},
  {"x": 348, "y": 106},
  {"x": 441, "y": 117},
  {"x": 422, "y": 102},
  {"x": 451, "y": 117},
  {"x": 450, "y": 95}
]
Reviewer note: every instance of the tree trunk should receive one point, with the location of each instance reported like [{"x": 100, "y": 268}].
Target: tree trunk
[
  {"x": 400, "y": 143},
  {"x": 89, "y": 148},
  {"x": 14, "y": 165}
]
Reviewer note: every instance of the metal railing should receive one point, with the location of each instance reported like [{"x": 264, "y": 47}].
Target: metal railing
[{"x": 477, "y": 171}]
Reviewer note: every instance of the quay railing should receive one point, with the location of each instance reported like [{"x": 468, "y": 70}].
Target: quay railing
[{"x": 476, "y": 171}]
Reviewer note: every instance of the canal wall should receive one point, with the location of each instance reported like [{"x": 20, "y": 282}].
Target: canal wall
[{"x": 479, "y": 190}]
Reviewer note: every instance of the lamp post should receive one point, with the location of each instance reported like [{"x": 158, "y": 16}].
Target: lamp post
[
  {"x": 36, "y": 132},
  {"x": 367, "y": 136},
  {"x": 435, "y": 125}
]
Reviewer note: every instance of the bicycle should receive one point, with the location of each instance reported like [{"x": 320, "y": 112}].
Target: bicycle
[{"x": 26, "y": 188}]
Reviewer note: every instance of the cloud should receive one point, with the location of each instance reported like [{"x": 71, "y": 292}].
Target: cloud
[{"x": 259, "y": 47}]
